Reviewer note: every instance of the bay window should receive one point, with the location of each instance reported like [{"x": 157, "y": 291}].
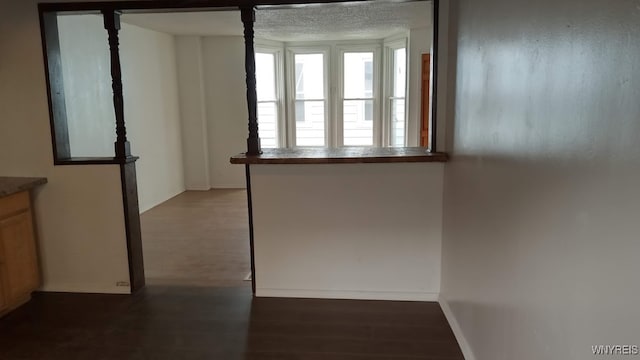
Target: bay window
[{"x": 335, "y": 94}]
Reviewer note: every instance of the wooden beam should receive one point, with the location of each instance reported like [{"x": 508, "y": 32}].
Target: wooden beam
[
  {"x": 55, "y": 84},
  {"x": 112, "y": 25},
  {"x": 247, "y": 14}
]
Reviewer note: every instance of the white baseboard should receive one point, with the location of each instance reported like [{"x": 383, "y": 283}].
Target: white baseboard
[
  {"x": 86, "y": 288},
  {"x": 455, "y": 327},
  {"x": 344, "y": 294},
  {"x": 198, "y": 188},
  {"x": 229, "y": 186}
]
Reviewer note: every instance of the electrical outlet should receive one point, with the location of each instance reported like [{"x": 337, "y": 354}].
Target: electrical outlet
[{"x": 122, "y": 283}]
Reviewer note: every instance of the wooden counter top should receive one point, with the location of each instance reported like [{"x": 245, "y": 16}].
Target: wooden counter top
[
  {"x": 11, "y": 185},
  {"x": 343, "y": 155}
]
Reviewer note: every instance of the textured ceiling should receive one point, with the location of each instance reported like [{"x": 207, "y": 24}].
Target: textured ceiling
[{"x": 340, "y": 21}]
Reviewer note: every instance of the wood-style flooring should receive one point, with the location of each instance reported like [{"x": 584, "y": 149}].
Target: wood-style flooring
[
  {"x": 186, "y": 323},
  {"x": 196, "y": 306},
  {"x": 198, "y": 238}
]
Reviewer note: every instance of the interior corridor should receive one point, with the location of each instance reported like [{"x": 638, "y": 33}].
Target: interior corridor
[{"x": 198, "y": 238}]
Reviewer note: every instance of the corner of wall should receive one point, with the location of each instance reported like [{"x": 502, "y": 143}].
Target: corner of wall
[{"x": 455, "y": 327}]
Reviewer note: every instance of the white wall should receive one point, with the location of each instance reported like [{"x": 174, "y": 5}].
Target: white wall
[
  {"x": 226, "y": 108},
  {"x": 195, "y": 142},
  {"x": 152, "y": 112},
  {"x": 541, "y": 203},
  {"x": 360, "y": 231},
  {"x": 79, "y": 220},
  {"x": 150, "y": 101},
  {"x": 87, "y": 86}
]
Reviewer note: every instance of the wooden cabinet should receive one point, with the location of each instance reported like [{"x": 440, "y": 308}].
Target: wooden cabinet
[{"x": 19, "y": 272}]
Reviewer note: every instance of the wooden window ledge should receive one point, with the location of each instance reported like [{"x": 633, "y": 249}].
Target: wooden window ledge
[{"x": 343, "y": 155}]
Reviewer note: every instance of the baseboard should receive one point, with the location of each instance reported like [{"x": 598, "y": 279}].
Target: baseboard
[
  {"x": 86, "y": 288},
  {"x": 229, "y": 186},
  {"x": 455, "y": 327},
  {"x": 146, "y": 207},
  {"x": 353, "y": 295},
  {"x": 198, "y": 188}
]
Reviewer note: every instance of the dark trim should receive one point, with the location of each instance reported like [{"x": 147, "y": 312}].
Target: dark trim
[
  {"x": 55, "y": 85},
  {"x": 434, "y": 93},
  {"x": 96, "y": 160},
  {"x": 250, "y": 205},
  {"x": 248, "y": 16},
  {"x": 173, "y": 5},
  {"x": 343, "y": 155},
  {"x": 132, "y": 225}
]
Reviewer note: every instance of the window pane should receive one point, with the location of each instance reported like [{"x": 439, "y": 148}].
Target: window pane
[
  {"x": 399, "y": 72},
  {"x": 397, "y": 122},
  {"x": 310, "y": 123},
  {"x": 358, "y": 122},
  {"x": 268, "y": 124},
  {"x": 265, "y": 76},
  {"x": 309, "y": 76},
  {"x": 358, "y": 75}
]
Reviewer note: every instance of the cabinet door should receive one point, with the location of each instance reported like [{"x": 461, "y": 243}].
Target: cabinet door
[
  {"x": 4, "y": 304},
  {"x": 18, "y": 256}
]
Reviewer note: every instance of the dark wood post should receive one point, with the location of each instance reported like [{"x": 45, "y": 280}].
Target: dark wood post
[
  {"x": 127, "y": 162},
  {"x": 112, "y": 25},
  {"x": 253, "y": 141}
]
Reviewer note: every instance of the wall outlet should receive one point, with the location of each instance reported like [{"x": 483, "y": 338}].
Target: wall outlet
[{"x": 122, "y": 283}]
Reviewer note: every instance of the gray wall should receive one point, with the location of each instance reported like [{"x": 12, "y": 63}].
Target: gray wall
[{"x": 541, "y": 202}]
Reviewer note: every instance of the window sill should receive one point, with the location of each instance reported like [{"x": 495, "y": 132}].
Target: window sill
[
  {"x": 95, "y": 160},
  {"x": 344, "y": 155}
]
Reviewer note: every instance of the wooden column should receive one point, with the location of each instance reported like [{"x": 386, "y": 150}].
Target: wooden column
[
  {"x": 128, "y": 177},
  {"x": 112, "y": 25},
  {"x": 253, "y": 141}
]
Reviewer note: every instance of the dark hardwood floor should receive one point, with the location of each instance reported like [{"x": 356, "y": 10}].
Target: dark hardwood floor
[{"x": 164, "y": 322}]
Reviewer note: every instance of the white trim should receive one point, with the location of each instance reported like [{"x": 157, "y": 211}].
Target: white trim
[
  {"x": 86, "y": 288},
  {"x": 389, "y": 47},
  {"x": 228, "y": 186},
  {"x": 455, "y": 327},
  {"x": 348, "y": 294},
  {"x": 199, "y": 188},
  {"x": 340, "y": 50},
  {"x": 289, "y": 65},
  {"x": 277, "y": 49}
]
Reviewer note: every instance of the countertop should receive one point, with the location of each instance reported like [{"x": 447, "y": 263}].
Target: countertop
[
  {"x": 343, "y": 155},
  {"x": 11, "y": 185}
]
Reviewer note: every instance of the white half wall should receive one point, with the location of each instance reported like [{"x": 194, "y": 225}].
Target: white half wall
[
  {"x": 79, "y": 221},
  {"x": 226, "y": 108},
  {"x": 358, "y": 231},
  {"x": 541, "y": 200}
]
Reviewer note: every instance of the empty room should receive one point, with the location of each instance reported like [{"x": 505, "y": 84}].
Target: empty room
[{"x": 231, "y": 179}]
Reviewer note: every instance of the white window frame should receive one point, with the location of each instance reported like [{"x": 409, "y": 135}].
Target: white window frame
[
  {"x": 264, "y": 46},
  {"x": 389, "y": 48},
  {"x": 341, "y": 49},
  {"x": 291, "y": 51},
  {"x": 333, "y": 52}
]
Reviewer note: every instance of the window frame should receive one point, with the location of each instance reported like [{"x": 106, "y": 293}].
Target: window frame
[
  {"x": 289, "y": 90},
  {"x": 268, "y": 47},
  {"x": 360, "y": 47},
  {"x": 389, "y": 63}
]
